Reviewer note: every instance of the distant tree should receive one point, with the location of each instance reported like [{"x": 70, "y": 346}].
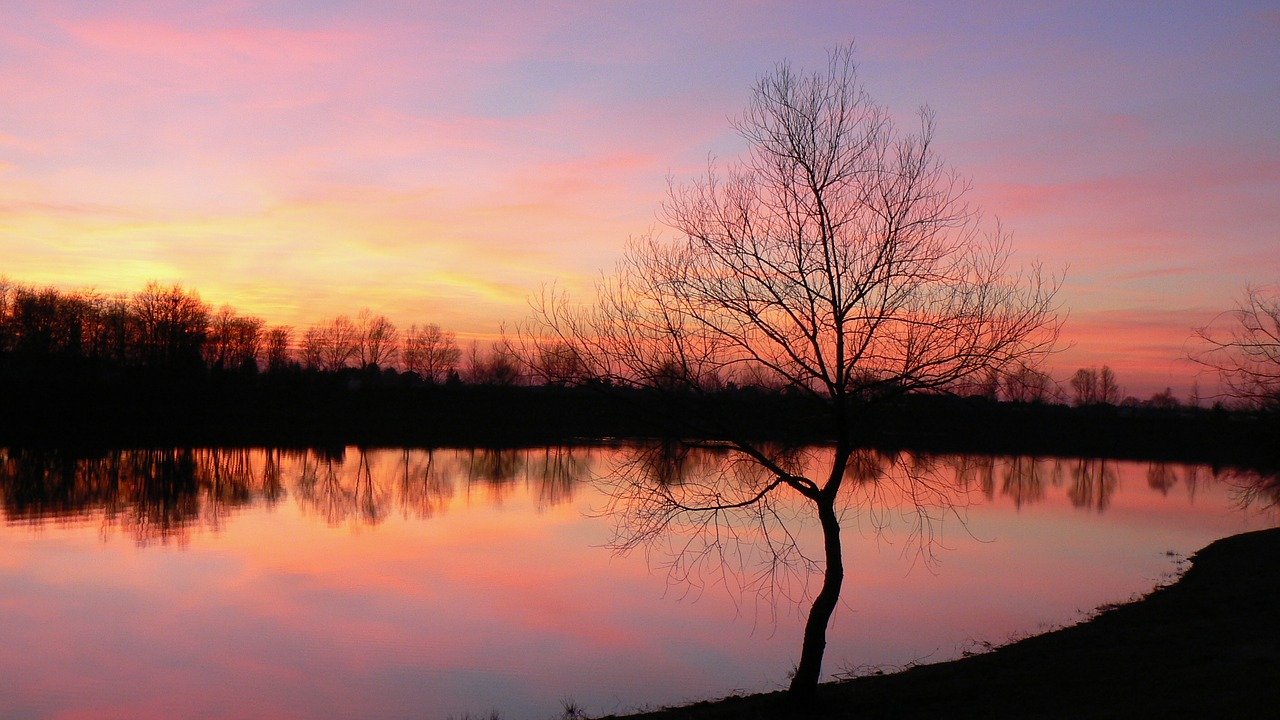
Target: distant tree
[
  {"x": 339, "y": 343},
  {"x": 838, "y": 261},
  {"x": 1164, "y": 400},
  {"x": 44, "y": 322},
  {"x": 377, "y": 341},
  {"x": 234, "y": 341},
  {"x": 1084, "y": 385},
  {"x": 278, "y": 341},
  {"x": 168, "y": 325},
  {"x": 1243, "y": 347},
  {"x": 983, "y": 385},
  {"x": 557, "y": 364},
  {"x": 1109, "y": 390},
  {"x": 1029, "y": 385},
  {"x": 1094, "y": 386},
  {"x": 217, "y": 347},
  {"x": 6, "y": 303},
  {"x": 313, "y": 349},
  {"x": 107, "y": 334},
  {"x": 248, "y": 342},
  {"x": 430, "y": 352},
  {"x": 500, "y": 365}
]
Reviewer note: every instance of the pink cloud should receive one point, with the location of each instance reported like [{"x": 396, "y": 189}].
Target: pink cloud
[
  {"x": 274, "y": 47},
  {"x": 443, "y": 161}
]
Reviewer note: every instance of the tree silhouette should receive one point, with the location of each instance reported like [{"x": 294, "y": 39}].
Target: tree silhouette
[
  {"x": 1093, "y": 386},
  {"x": 1246, "y": 352},
  {"x": 500, "y": 365},
  {"x": 837, "y": 261},
  {"x": 107, "y": 331},
  {"x": 430, "y": 352},
  {"x": 278, "y": 354},
  {"x": 377, "y": 339},
  {"x": 169, "y": 326},
  {"x": 234, "y": 341},
  {"x": 6, "y": 302},
  {"x": 311, "y": 351},
  {"x": 1027, "y": 385},
  {"x": 338, "y": 343}
]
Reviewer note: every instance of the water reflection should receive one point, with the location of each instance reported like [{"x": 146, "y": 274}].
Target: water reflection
[
  {"x": 484, "y": 585},
  {"x": 1254, "y": 489},
  {"x": 1093, "y": 482},
  {"x": 162, "y": 494},
  {"x": 1090, "y": 483}
]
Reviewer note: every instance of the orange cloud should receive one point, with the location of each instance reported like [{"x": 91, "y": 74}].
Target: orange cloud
[{"x": 1147, "y": 347}]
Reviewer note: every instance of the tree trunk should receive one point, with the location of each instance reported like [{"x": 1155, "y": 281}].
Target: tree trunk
[{"x": 804, "y": 686}]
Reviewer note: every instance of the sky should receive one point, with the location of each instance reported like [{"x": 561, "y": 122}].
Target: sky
[{"x": 441, "y": 162}]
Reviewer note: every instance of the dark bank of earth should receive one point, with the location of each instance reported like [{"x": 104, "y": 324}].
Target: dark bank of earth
[{"x": 1207, "y": 646}]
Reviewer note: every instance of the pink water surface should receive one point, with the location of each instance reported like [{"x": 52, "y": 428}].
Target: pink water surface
[{"x": 406, "y": 584}]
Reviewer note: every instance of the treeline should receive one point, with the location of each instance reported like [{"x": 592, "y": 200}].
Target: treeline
[
  {"x": 160, "y": 494},
  {"x": 1086, "y": 387},
  {"x": 169, "y": 328},
  {"x": 161, "y": 367}
]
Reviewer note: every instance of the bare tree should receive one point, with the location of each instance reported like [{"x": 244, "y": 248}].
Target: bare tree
[
  {"x": 234, "y": 341},
  {"x": 1084, "y": 386},
  {"x": 557, "y": 364},
  {"x": 430, "y": 352},
  {"x": 277, "y": 349},
  {"x": 1246, "y": 352},
  {"x": 500, "y": 365},
  {"x": 168, "y": 325},
  {"x": 378, "y": 339},
  {"x": 248, "y": 343},
  {"x": 107, "y": 337},
  {"x": 1164, "y": 400},
  {"x": 837, "y": 260},
  {"x": 217, "y": 348},
  {"x": 1094, "y": 386},
  {"x": 6, "y": 305},
  {"x": 1109, "y": 390},
  {"x": 45, "y": 321},
  {"x": 1028, "y": 385},
  {"x": 312, "y": 349},
  {"x": 338, "y": 340}
]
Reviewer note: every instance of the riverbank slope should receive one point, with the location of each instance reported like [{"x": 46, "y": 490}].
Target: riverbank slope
[{"x": 1207, "y": 645}]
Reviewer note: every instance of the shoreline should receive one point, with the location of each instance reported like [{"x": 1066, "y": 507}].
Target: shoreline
[{"x": 1207, "y": 644}]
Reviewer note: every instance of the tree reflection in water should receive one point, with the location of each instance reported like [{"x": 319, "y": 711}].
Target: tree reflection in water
[
  {"x": 1090, "y": 483},
  {"x": 1093, "y": 481},
  {"x": 1024, "y": 479},
  {"x": 426, "y": 483},
  {"x": 1161, "y": 477},
  {"x": 556, "y": 470},
  {"x": 1255, "y": 489},
  {"x": 160, "y": 495}
]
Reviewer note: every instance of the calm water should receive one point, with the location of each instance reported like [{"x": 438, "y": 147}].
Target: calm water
[{"x": 406, "y": 584}]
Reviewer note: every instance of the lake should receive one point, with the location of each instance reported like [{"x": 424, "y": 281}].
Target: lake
[{"x": 408, "y": 583}]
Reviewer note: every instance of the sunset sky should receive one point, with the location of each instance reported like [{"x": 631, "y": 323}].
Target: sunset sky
[{"x": 439, "y": 162}]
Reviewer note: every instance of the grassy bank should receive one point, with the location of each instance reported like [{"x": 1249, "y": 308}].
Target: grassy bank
[{"x": 1206, "y": 646}]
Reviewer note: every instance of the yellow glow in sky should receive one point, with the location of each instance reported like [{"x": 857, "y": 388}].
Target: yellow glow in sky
[{"x": 440, "y": 166}]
